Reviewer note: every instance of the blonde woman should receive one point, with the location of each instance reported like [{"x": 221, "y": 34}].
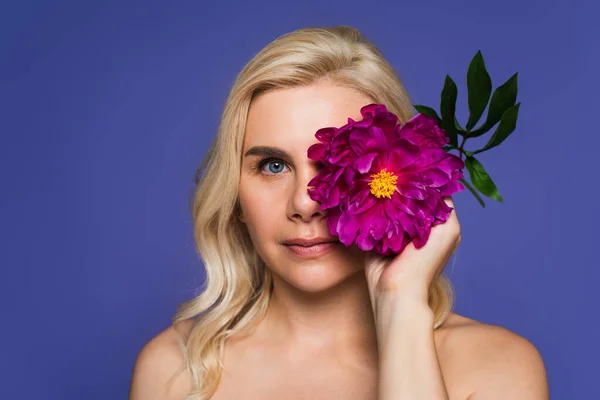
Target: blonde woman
[{"x": 288, "y": 312}]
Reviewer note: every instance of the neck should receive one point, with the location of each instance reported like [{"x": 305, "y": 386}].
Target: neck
[{"x": 338, "y": 321}]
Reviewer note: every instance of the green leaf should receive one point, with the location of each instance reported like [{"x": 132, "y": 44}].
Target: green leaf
[
  {"x": 459, "y": 128},
  {"x": 427, "y": 111},
  {"x": 503, "y": 98},
  {"x": 507, "y": 125},
  {"x": 479, "y": 87},
  {"x": 472, "y": 190},
  {"x": 448, "y": 109},
  {"x": 481, "y": 180}
]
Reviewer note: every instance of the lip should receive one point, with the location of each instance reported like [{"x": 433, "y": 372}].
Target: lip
[
  {"x": 310, "y": 242},
  {"x": 316, "y": 250}
]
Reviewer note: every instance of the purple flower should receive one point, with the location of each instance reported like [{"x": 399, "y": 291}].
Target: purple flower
[{"x": 384, "y": 183}]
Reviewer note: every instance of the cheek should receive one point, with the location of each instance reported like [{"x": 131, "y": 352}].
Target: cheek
[
  {"x": 260, "y": 197},
  {"x": 265, "y": 228},
  {"x": 264, "y": 211}
]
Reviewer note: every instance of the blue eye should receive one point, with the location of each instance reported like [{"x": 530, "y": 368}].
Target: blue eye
[{"x": 275, "y": 162}]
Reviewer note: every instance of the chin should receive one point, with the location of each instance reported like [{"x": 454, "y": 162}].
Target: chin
[
  {"x": 315, "y": 280},
  {"x": 319, "y": 274}
]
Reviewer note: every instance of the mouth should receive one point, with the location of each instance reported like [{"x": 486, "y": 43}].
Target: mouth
[{"x": 312, "y": 251}]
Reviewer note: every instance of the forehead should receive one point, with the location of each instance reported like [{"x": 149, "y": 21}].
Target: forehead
[{"x": 289, "y": 118}]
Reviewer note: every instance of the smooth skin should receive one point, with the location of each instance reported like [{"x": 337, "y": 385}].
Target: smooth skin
[{"x": 347, "y": 325}]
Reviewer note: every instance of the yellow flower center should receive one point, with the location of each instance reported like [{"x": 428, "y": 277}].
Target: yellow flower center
[{"x": 383, "y": 184}]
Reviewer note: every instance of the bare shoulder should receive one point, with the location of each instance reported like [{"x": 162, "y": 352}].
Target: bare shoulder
[
  {"x": 493, "y": 361},
  {"x": 156, "y": 370}
]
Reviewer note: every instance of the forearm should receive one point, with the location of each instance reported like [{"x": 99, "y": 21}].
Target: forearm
[{"x": 408, "y": 363}]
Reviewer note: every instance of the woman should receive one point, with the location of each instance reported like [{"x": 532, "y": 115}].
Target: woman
[{"x": 283, "y": 317}]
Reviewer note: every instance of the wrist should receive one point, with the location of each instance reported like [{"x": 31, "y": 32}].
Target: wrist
[
  {"x": 403, "y": 303},
  {"x": 410, "y": 312},
  {"x": 402, "y": 317}
]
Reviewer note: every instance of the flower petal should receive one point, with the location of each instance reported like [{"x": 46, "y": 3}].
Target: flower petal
[
  {"x": 451, "y": 188},
  {"x": 361, "y": 201},
  {"x": 325, "y": 134},
  {"x": 435, "y": 177},
  {"x": 347, "y": 228},
  {"x": 367, "y": 140},
  {"x": 317, "y": 152},
  {"x": 401, "y": 155},
  {"x": 363, "y": 164}
]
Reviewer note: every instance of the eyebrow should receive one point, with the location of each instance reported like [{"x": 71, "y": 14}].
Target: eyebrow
[{"x": 267, "y": 151}]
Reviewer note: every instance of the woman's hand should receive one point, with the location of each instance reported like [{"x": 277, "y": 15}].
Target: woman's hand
[{"x": 407, "y": 277}]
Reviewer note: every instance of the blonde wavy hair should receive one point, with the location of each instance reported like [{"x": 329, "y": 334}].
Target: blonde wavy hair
[{"x": 238, "y": 286}]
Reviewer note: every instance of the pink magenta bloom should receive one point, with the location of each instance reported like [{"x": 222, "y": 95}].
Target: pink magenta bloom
[{"x": 384, "y": 183}]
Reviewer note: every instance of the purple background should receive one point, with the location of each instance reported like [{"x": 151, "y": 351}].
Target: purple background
[{"x": 106, "y": 109}]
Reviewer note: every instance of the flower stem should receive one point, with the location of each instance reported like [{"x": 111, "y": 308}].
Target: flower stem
[{"x": 461, "y": 149}]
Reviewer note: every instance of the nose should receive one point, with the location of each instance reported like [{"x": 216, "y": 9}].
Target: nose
[{"x": 302, "y": 207}]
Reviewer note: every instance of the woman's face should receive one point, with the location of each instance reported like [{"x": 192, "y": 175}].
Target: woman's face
[{"x": 273, "y": 191}]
